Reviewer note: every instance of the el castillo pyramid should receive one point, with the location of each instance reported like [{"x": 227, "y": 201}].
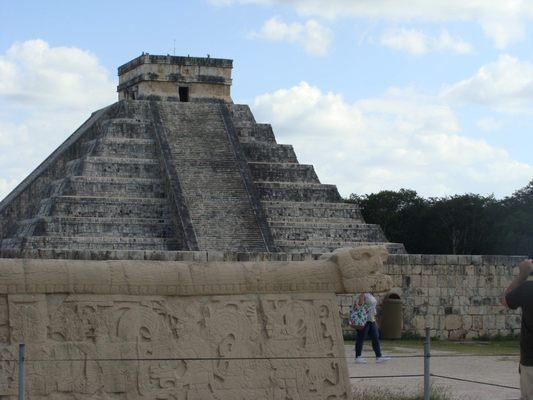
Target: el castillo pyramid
[{"x": 176, "y": 166}]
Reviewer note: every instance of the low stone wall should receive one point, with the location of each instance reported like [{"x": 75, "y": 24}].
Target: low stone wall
[
  {"x": 133, "y": 329},
  {"x": 458, "y": 295}
]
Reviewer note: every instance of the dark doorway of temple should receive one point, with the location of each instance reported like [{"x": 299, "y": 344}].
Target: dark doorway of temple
[{"x": 184, "y": 93}]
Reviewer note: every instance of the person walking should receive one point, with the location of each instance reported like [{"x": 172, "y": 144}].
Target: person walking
[
  {"x": 369, "y": 302},
  {"x": 520, "y": 294}
]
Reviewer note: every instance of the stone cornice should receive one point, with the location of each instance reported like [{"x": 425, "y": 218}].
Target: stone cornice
[
  {"x": 175, "y": 60},
  {"x": 343, "y": 271}
]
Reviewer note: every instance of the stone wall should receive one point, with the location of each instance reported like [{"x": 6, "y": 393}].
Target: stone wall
[
  {"x": 169, "y": 330},
  {"x": 150, "y": 75},
  {"x": 458, "y": 295}
]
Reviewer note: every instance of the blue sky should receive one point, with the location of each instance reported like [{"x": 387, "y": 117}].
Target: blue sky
[{"x": 433, "y": 96}]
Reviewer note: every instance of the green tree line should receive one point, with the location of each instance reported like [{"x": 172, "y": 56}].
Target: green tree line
[{"x": 459, "y": 224}]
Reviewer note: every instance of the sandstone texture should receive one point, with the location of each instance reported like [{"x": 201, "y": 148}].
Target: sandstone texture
[
  {"x": 180, "y": 330},
  {"x": 458, "y": 296},
  {"x": 152, "y": 76}
]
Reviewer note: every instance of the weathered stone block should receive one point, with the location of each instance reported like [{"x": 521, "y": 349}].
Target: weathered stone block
[
  {"x": 419, "y": 323},
  {"x": 467, "y": 322},
  {"x": 453, "y": 322}
]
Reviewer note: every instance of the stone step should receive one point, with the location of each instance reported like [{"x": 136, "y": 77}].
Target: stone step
[
  {"x": 290, "y": 191},
  {"x": 108, "y": 187},
  {"x": 256, "y": 133},
  {"x": 192, "y": 164},
  {"x": 283, "y": 172},
  {"x": 246, "y": 127},
  {"x": 266, "y": 152},
  {"x": 103, "y": 255},
  {"x": 148, "y": 168},
  {"x": 325, "y": 246},
  {"x": 225, "y": 187},
  {"x": 217, "y": 243},
  {"x": 74, "y": 226},
  {"x": 217, "y": 200},
  {"x": 242, "y": 115},
  {"x": 127, "y": 128},
  {"x": 211, "y": 219},
  {"x": 210, "y": 177},
  {"x": 282, "y": 210},
  {"x": 121, "y": 147},
  {"x": 97, "y": 243},
  {"x": 94, "y": 206},
  {"x": 325, "y": 231},
  {"x": 321, "y": 223},
  {"x": 314, "y": 220}
]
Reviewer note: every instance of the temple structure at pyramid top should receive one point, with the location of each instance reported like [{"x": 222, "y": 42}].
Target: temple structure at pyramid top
[
  {"x": 175, "y": 78},
  {"x": 175, "y": 166}
]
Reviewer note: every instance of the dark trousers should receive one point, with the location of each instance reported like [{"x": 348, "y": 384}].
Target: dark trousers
[{"x": 371, "y": 329}]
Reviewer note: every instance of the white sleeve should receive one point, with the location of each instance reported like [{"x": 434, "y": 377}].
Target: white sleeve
[{"x": 370, "y": 299}]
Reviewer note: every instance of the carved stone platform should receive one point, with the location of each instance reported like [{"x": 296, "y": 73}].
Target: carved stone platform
[{"x": 180, "y": 330}]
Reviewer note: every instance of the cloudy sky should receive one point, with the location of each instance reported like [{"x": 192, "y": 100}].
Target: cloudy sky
[{"x": 435, "y": 96}]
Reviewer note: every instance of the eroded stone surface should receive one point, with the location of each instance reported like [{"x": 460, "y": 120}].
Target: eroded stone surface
[
  {"x": 459, "y": 296},
  {"x": 204, "y": 347},
  {"x": 337, "y": 272},
  {"x": 124, "y": 330}
]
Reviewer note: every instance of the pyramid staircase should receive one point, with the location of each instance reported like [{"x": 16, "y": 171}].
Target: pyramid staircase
[{"x": 212, "y": 181}]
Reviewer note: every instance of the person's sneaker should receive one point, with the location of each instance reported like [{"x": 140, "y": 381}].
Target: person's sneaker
[
  {"x": 360, "y": 360},
  {"x": 382, "y": 359}
]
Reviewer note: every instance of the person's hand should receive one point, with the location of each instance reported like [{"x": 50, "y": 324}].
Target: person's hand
[{"x": 525, "y": 268}]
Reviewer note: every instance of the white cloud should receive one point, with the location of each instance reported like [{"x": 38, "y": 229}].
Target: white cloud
[
  {"x": 502, "y": 21},
  {"x": 505, "y": 85},
  {"x": 505, "y": 31},
  {"x": 401, "y": 139},
  {"x": 417, "y": 42},
  {"x": 35, "y": 74},
  {"x": 412, "y": 41},
  {"x": 488, "y": 124},
  {"x": 45, "y": 94},
  {"x": 446, "y": 42},
  {"x": 314, "y": 37}
]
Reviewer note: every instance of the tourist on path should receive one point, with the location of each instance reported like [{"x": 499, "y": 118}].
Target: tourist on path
[
  {"x": 520, "y": 294},
  {"x": 368, "y": 302}
]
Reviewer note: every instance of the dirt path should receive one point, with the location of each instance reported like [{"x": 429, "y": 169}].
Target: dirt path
[{"x": 494, "y": 369}]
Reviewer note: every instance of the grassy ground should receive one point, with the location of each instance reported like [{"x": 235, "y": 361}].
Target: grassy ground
[
  {"x": 474, "y": 347},
  {"x": 437, "y": 393}
]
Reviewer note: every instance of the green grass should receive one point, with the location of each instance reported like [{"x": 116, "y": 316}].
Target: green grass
[
  {"x": 474, "y": 347},
  {"x": 437, "y": 393}
]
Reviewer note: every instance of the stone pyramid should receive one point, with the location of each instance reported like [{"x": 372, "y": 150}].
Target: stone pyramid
[{"x": 175, "y": 165}]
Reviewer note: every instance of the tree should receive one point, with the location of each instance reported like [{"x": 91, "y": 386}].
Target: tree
[
  {"x": 460, "y": 224},
  {"x": 400, "y": 215},
  {"x": 514, "y": 225}
]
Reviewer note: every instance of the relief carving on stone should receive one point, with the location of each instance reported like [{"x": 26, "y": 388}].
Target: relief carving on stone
[{"x": 275, "y": 346}]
